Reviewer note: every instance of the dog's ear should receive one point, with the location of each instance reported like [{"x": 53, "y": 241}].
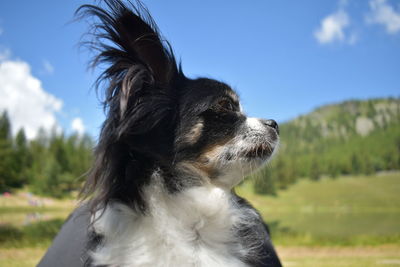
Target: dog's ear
[
  {"x": 130, "y": 44},
  {"x": 140, "y": 102}
]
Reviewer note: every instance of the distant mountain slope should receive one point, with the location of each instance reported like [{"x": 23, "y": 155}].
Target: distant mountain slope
[
  {"x": 343, "y": 120},
  {"x": 356, "y": 136}
]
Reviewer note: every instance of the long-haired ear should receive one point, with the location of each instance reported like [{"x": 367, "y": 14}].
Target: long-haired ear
[
  {"x": 139, "y": 101},
  {"x": 130, "y": 43}
]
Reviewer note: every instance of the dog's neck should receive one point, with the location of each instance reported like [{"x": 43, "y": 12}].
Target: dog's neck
[{"x": 187, "y": 228}]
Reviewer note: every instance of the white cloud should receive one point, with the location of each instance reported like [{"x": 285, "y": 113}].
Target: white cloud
[
  {"x": 27, "y": 103},
  {"x": 77, "y": 126},
  {"x": 332, "y": 28},
  {"x": 383, "y": 13},
  {"x": 47, "y": 67}
]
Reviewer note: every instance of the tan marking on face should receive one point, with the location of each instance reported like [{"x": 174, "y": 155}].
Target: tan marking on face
[
  {"x": 204, "y": 166},
  {"x": 194, "y": 133},
  {"x": 211, "y": 151},
  {"x": 202, "y": 170},
  {"x": 207, "y": 159},
  {"x": 207, "y": 169}
]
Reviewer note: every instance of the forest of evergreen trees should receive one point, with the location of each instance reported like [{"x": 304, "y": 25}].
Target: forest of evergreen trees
[
  {"x": 51, "y": 164},
  {"x": 379, "y": 151}
]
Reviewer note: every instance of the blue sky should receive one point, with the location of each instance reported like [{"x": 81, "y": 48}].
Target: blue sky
[{"x": 283, "y": 57}]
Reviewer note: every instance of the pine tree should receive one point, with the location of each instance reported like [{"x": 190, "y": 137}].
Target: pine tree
[
  {"x": 22, "y": 158},
  {"x": 315, "y": 170},
  {"x": 5, "y": 127},
  {"x": 7, "y": 166},
  {"x": 264, "y": 183}
]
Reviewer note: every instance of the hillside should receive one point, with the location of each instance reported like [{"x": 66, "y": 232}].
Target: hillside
[
  {"x": 343, "y": 120},
  {"x": 352, "y": 137}
]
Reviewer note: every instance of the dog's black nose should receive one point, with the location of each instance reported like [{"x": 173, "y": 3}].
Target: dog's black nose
[{"x": 271, "y": 123}]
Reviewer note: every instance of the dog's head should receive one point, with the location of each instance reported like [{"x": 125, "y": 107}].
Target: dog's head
[
  {"x": 215, "y": 138},
  {"x": 193, "y": 131}
]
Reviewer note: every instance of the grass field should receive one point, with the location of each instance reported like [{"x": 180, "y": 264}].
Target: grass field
[
  {"x": 346, "y": 222},
  {"x": 363, "y": 210}
]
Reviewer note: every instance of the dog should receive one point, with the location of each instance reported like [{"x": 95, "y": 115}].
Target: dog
[{"x": 171, "y": 150}]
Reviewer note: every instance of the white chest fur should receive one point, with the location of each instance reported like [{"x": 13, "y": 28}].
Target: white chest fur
[{"x": 190, "y": 228}]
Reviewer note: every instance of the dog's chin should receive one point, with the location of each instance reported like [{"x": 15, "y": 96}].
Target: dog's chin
[
  {"x": 234, "y": 171},
  {"x": 261, "y": 152}
]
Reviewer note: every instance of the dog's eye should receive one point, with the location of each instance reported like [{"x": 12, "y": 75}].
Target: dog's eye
[{"x": 226, "y": 104}]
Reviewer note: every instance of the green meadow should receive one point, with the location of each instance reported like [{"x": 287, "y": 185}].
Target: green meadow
[
  {"x": 347, "y": 221},
  {"x": 346, "y": 211}
]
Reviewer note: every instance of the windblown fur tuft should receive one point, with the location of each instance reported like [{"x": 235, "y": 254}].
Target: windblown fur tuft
[{"x": 139, "y": 100}]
